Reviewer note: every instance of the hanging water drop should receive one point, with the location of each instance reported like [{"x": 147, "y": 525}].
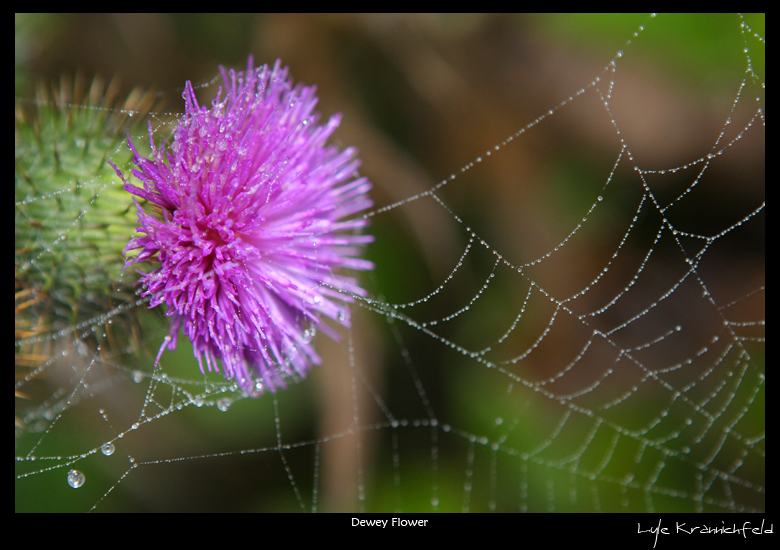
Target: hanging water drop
[
  {"x": 75, "y": 479},
  {"x": 108, "y": 448},
  {"x": 224, "y": 404}
]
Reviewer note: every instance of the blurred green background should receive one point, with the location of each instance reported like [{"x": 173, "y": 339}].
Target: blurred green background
[{"x": 423, "y": 96}]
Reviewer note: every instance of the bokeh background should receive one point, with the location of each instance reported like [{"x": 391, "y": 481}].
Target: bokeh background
[{"x": 421, "y": 96}]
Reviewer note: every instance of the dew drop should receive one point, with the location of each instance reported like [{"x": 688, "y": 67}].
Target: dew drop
[
  {"x": 75, "y": 479},
  {"x": 308, "y": 335},
  {"x": 108, "y": 448},
  {"x": 138, "y": 376},
  {"x": 341, "y": 316},
  {"x": 224, "y": 404}
]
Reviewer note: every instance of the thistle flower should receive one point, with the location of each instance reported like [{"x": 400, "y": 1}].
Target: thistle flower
[{"x": 252, "y": 228}]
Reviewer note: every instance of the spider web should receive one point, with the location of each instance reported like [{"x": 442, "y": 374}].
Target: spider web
[{"x": 571, "y": 321}]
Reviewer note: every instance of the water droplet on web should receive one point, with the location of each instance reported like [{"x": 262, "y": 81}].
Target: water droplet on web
[
  {"x": 224, "y": 404},
  {"x": 108, "y": 448},
  {"x": 138, "y": 376},
  {"x": 75, "y": 479}
]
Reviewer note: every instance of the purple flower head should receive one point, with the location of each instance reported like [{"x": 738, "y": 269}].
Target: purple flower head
[{"x": 254, "y": 228}]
